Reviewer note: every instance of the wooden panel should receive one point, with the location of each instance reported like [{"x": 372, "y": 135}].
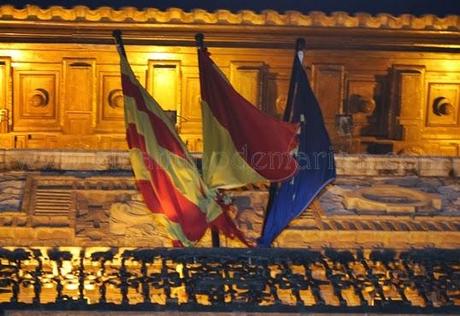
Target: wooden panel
[
  {"x": 88, "y": 108},
  {"x": 406, "y": 109},
  {"x": 190, "y": 126},
  {"x": 38, "y": 140},
  {"x": 448, "y": 150},
  {"x": 5, "y": 95},
  {"x": 191, "y": 108},
  {"x": 78, "y": 122},
  {"x": 364, "y": 103},
  {"x": 6, "y": 140},
  {"x": 359, "y": 88},
  {"x": 247, "y": 77},
  {"x": 328, "y": 83},
  {"x": 113, "y": 142},
  {"x": 36, "y": 95},
  {"x": 79, "y": 96},
  {"x": 164, "y": 83},
  {"x": 20, "y": 141},
  {"x": 110, "y": 102},
  {"x": 411, "y": 95},
  {"x": 41, "y": 141},
  {"x": 110, "y": 112},
  {"x": 443, "y": 104},
  {"x": 276, "y": 93}
]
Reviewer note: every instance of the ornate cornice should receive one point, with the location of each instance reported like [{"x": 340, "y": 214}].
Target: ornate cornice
[
  {"x": 268, "y": 29},
  {"x": 225, "y": 17}
]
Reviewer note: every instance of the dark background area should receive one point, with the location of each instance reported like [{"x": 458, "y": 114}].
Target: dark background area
[{"x": 395, "y": 7}]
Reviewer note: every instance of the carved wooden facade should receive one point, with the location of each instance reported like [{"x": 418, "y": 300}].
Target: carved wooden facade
[{"x": 398, "y": 78}]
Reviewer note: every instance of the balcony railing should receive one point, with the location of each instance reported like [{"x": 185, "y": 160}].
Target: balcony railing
[{"x": 223, "y": 279}]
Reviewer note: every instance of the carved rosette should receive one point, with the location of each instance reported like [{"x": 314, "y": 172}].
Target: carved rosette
[
  {"x": 115, "y": 98},
  {"x": 442, "y": 106},
  {"x": 39, "y": 98}
]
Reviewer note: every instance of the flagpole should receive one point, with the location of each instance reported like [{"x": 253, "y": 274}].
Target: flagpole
[
  {"x": 199, "y": 39},
  {"x": 288, "y": 112},
  {"x": 299, "y": 47},
  {"x": 118, "y": 39}
]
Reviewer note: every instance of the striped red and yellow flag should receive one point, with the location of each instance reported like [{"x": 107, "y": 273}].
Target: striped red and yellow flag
[
  {"x": 242, "y": 144},
  {"x": 165, "y": 173}
]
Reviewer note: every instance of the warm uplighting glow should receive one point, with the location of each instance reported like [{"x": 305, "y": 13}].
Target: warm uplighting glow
[
  {"x": 161, "y": 55},
  {"x": 89, "y": 286},
  {"x": 447, "y": 64},
  {"x": 15, "y": 54}
]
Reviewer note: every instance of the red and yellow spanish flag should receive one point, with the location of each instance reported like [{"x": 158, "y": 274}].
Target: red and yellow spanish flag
[
  {"x": 242, "y": 144},
  {"x": 165, "y": 173}
]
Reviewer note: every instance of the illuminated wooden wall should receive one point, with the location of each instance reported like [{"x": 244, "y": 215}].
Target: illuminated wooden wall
[{"x": 398, "y": 77}]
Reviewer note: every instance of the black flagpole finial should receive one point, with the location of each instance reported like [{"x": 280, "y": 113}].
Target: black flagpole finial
[
  {"x": 117, "y": 34},
  {"x": 119, "y": 40},
  {"x": 199, "y": 38},
  {"x": 300, "y": 44}
]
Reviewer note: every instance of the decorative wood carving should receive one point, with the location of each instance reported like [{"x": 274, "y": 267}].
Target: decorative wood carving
[
  {"x": 444, "y": 100},
  {"x": 339, "y": 28},
  {"x": 391, "y": 199},
  {"x": 110, "y": 114},
  {"x": 245, "y": 17},
  {"x": 36, "y": 95},
  {"x": 115, "y": 99},
  {"x": 67, "y": 91}
]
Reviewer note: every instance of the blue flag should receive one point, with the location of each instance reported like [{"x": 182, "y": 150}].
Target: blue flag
[{"x": 315, "y": 157}]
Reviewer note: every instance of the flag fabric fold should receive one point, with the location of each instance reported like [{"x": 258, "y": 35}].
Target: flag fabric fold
[
  {"x": 315, "y": 158},
  {"x": 165, "y": 173},
  {"x": 242, "y": 144}
]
